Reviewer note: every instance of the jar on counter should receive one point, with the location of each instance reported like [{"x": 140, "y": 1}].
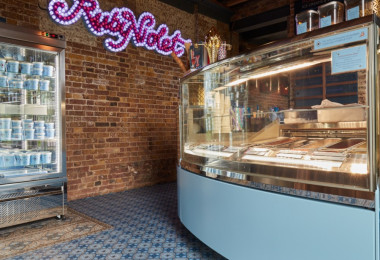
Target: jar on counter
[
  {"x": 330, "y": 13},
  {"x": 307, "y": 21},
  {"x": 358, "y": 8}
]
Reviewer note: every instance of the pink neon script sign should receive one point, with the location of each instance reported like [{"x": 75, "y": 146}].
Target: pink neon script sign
[{"x": 121, "y": 24}]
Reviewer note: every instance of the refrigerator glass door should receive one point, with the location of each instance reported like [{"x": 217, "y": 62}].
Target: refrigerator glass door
[{"x": 30, "y": 113}]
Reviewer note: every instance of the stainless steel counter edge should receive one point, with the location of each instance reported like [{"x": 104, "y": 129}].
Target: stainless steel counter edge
[{"x": 328, "y": 194}]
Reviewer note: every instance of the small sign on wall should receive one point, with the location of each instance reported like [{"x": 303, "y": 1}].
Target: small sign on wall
[
  {"x": 349, "y": 59},
  {"x": 120, "y": 25},
  {"x": 341, "y": 38}
]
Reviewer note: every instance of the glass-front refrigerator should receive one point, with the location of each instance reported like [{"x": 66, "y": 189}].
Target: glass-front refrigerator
[{"x": 32, "y": 132}]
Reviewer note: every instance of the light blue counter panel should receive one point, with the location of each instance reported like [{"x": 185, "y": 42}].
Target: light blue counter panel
[{"x": 244, "y": 223}]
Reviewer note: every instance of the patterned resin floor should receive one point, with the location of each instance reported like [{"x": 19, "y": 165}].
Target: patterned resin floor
[{"x": 146, "y": 226}]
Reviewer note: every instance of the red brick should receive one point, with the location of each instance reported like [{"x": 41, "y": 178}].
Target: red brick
[{"x": 135, "y": 92}]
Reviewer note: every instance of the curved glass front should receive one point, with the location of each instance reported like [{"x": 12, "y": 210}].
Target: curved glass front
[{"x": 300, "y": 112}]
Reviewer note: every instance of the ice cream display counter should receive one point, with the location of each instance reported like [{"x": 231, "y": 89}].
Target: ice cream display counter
[{"x": 284, "y": 141}]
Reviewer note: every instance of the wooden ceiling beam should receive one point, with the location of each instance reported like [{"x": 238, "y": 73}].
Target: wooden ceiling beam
[
  {"x": 230, "y": 3},
  {"x": 211, "y": 8},
  {"x": 219, "y": 3}
]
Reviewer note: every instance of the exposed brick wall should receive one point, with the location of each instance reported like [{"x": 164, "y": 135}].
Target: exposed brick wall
[
  {"x": 121, "y": 109},
  {"x": 20, "y": 12},
  {"x": 121, "y": 119}
]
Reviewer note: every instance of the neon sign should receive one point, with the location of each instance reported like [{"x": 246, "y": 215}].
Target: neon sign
[{"x": 121, "y": 24}]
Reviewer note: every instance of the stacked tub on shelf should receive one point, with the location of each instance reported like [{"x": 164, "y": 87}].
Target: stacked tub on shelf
[{"x": 25, "y": 83}]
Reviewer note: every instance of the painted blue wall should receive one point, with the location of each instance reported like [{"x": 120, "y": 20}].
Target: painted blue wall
[{"x": 244, "y": 223}]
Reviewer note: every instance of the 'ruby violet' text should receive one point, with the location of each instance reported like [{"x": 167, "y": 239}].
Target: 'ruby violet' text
[{"x": 121, "y": 24}]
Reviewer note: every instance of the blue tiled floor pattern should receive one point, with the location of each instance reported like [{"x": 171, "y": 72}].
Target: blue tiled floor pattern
[{"x": 146, "y": 226}]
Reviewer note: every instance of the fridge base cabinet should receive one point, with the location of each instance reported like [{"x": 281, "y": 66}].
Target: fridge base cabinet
[
  {"x": 245, "y": 223},
  {"x": 20, "y": 205}
]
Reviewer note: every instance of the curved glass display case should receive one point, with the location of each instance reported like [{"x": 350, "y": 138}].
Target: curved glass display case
[{"x": 299, "y": 114}]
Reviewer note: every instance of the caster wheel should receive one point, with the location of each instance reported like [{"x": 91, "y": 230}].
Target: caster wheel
[{"x": 60, "y": 217}]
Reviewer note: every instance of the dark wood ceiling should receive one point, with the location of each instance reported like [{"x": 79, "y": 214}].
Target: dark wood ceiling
[
  {"x": 255, "y": 29},
  {"x": 231, "y": 3}
]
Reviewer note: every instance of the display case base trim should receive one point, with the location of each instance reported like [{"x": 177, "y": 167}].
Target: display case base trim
[
  {"x": 330, "y": 194},
  {"x": 370, "y": 204}
]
